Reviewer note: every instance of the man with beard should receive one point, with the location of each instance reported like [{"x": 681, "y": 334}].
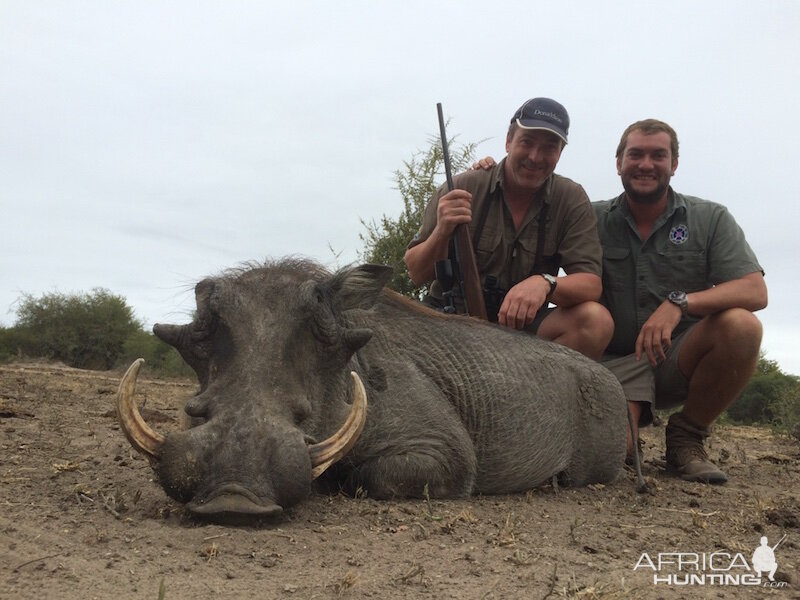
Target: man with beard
[
  {"x": 528, "y": 222},
  {"x": 682, "y": 284}
]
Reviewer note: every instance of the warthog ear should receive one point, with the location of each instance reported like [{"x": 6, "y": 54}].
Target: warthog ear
[
  {"x": 202, "y": 293},
  {"x": 358, "y": 287}
]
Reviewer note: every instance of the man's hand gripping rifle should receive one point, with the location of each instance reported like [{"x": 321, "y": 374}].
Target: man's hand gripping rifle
[{"x": 461, "y": 272}]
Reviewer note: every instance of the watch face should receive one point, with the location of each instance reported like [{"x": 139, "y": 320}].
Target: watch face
[{"x": 677, "y": 297}]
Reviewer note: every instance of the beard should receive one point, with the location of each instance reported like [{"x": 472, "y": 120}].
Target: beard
[{"x": 645, "y": 198}]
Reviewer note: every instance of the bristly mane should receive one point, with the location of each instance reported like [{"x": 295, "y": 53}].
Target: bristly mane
[
  {"x": 297, "y": 266},
  {"x": 301, "y": 269}
]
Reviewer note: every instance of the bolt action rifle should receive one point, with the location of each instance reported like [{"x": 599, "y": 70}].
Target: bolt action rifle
[{"x": 461, "y": 272}]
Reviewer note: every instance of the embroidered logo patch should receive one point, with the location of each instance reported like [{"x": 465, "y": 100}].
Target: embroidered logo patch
[{"x": 679, "y": 234}]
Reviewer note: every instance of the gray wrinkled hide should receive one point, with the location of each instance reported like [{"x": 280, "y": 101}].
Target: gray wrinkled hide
[
  {"x": 455, "y": 406},
  {"x": 488, "y": 409}
]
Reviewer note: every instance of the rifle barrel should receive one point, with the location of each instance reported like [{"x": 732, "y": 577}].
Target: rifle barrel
[{"x": 445, "y": 152}]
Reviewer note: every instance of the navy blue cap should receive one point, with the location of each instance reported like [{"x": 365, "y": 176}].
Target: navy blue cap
[{"x": 543, "y": 113}]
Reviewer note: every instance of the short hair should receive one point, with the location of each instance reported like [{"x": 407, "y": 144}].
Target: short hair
[
  {"x": 511, "y": 129},
  {"x": 649, "y": 127}
]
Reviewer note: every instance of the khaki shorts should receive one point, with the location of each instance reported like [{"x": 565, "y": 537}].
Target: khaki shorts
[{"x": 661, "y": 387}]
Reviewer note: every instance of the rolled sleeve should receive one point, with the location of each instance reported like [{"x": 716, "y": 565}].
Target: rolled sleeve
[
  {"x": 428, "y": 220},
  {"x": 729, "y": 255},
  {"x": 579, "y": 247}
]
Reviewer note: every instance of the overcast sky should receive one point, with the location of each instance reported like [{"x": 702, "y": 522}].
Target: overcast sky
[{"x": 144, "y": 145}]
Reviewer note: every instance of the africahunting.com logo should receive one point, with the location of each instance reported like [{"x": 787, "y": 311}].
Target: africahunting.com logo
[{"x": 713, "y": 568}]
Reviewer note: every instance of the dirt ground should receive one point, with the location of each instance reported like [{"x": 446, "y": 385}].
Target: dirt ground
[{"x": 81, "y": 517}]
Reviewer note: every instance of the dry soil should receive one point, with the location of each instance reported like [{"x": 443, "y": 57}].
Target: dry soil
[{"x": 81, "y": 517}]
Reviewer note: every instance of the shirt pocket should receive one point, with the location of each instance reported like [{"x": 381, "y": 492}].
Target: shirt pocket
[
  {"x": 486, "y": 246},
  {"x": 525, "y": 260},
  {"x": 686, "y": 270},
  {"x": 617, "y": 268}
]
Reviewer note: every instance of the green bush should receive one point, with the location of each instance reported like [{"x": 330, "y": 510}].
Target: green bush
[
  {"x": 13, "y": 341},
  {"x": 95, "y": 330},
  {"x": 772, "y": 397},
  {"x": 161, "y": 359},
  {"x": 86, "y": 330},
  {"x": 786, "y": 411},
  {"x": 385, "y": 242}
]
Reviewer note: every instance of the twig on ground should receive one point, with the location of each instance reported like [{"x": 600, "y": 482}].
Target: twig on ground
[
  {"x": 553, "y": 579},
  {"x": 415, "y": 570},
  {"x": 691, "y": 512},
  {"x": 30, "y": 562}
]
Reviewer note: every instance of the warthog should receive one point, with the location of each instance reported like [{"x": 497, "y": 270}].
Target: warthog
[{"x": 449, "y": 406}]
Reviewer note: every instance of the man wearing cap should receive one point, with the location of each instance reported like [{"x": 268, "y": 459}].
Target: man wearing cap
[
  {"x": 526, "y": 223},
  {"x": 682, "y": 284}
]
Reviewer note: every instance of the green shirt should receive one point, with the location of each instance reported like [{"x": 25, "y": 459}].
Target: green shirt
[
  {"x": 695, "y": 245},
  {"x": 570, "y": 242}
]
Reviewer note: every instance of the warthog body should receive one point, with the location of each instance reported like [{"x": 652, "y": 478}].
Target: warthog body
[{"x": 455, "y": 406}]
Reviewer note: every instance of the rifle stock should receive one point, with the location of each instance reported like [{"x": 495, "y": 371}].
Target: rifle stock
[
  {"x": 469, "y": 279},
  {"x": 468, "y": 268}
]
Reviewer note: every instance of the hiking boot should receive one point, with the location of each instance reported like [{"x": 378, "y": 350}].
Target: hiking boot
[{"x": 686, "y": 455}]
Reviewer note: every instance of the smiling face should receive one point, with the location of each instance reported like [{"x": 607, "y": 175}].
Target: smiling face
[
  {"x": 646, "y": 166},
  {"x": 532, "y": 157}
]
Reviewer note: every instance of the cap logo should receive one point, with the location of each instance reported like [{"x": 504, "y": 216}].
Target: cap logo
[
  {"x": 549, "y": 115},
  {"x": 679, "y": 234}
]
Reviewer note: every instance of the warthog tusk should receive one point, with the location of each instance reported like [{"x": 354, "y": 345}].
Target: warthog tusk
[
  {"x": 327, "y": 452},
  {"x": 138, "y": 432}
]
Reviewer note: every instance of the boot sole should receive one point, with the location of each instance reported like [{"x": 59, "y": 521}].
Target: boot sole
[{"x": 714, "y": 477}]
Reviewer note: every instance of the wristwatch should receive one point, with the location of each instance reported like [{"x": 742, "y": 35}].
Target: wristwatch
[
  {"x": 679, "y": 299},
  {"x": 551, "y": 280}
]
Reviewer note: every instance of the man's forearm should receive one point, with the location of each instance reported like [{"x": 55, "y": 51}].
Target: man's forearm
[
  {"x": 421, "y": 259},
  {"x": 576, "y": 288},
  {"x": 748, "y": 292}
]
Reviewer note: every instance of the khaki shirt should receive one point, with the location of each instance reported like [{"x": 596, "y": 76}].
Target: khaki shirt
[
  {"x": 571, "y": 240},
  {"x": 695, "y": 245}
]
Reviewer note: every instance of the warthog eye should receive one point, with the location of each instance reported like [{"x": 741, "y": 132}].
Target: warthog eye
[{"x": 301, "y": 410}]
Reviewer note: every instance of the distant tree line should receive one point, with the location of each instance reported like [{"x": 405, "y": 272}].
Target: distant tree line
[
  {"x": 771, "y": 397},
  {"x": 94, "y": 330}
]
